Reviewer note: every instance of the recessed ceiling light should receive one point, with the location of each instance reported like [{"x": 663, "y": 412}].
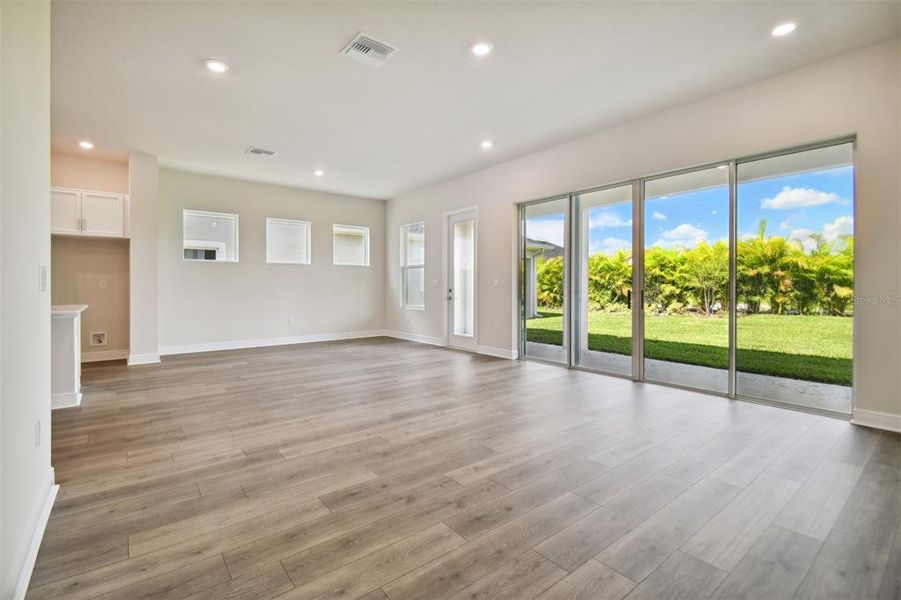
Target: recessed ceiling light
[
  {"x": 85, "y": 145},
  {"x": 486, "y": 144},
  {"x": 783, "y": 29},
  {"x": 216, "y": 66},
  {"x": 482, "y": 48},
  {"x": 318, "y": 172}
]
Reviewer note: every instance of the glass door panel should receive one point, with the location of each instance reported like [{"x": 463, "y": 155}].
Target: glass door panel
[
  {"x": 686, "y": 279},
  {"x": 545, "y": 285},
  {"x": 462, "y": 280},
  {"x": 795, "y": 284},
  {"x": 603, "y": 254}
]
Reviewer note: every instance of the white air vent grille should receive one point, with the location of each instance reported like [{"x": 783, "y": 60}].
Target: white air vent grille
[
  {"x": 368, "y": 50},
  {"x": 260, "y": 151}
]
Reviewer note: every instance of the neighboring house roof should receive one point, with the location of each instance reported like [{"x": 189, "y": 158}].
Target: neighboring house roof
[{"x": 546, "y": 249}]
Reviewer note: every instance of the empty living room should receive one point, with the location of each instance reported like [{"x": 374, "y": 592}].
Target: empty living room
[{"x": 425, "y": 300}]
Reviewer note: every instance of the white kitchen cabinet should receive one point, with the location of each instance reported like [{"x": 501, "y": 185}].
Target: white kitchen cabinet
[
  {"x": 89, "y": 214},
  {"x": 65, "y": 211}
]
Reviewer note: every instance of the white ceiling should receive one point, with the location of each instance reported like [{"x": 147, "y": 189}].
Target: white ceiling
[{"x": 130, "y": 77}]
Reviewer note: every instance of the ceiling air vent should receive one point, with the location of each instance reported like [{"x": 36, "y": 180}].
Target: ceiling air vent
[
  {"x": 368, "y": 50},
  {"x": 260, "y": 151}
]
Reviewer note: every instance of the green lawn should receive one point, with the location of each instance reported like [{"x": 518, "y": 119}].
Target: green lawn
[{"x": 800, "y": 347}]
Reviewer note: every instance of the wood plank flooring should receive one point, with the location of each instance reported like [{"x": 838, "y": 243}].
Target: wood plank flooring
[{"x": 383, "y": 469}]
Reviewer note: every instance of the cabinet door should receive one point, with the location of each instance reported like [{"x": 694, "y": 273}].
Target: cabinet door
[
  {"x": 103, "y": 215},
  {"x": 65, "y": 211}
]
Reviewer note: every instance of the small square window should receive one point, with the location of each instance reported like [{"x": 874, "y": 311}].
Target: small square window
[
  {"x": 288, "y": 242},
  {"x": 350, "y": 245},
  {"x": 209, "y": 236}
]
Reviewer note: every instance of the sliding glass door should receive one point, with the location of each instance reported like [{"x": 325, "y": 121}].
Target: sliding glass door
[
  {"x": 735, "y": 278},
  {"x": 795, "y": 278},
  {"x": 686, "y": 279},
  {"x": 602, "y": 337},
  {"x": 545, "y": 282}
]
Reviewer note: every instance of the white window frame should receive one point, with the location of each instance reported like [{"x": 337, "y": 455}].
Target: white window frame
[
  {"x": 208, "y": 244},
  {"x": 309, "y": 243},
  {"x": 335, "y": 229},
  {"x": 406, "y": 266}
]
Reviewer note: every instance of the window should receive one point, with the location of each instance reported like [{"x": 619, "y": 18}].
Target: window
[
  {"x": 209, "y": 236},
  {"x": 412, "y": 261},
  {"x": 287, "y": 242},
  {"x": 350, "y": 245}
]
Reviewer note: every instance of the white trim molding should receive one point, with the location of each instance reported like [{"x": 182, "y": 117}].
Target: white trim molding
[
  {"x": 37, "y": 534},
  {"x": 65, "y": 400},
  {"x": 877, "y": 420},
  {"x": 265, "y": 342},
  {"x": 101, "y": 355},
  {"x": 143, "y": 359},
  {"x": 498, "y": 352},
  {"x": 416, "y": 337}
]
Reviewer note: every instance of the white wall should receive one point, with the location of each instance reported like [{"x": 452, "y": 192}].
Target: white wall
[
  {"x": 853, "y": 93},
  {"x": 144, "y": 219},
  {"x": 26, "y": 478},
  {"x": 211, "y": 304}
]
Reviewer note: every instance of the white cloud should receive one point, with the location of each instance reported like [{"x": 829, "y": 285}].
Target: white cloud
[
  {"x": 607, "y": 219},
  {"x": 802, "y": 236},
  {"x": 786, "y": 224},
  {"x": 714, "y": 212},
  {"x": 685, "y": 235},
  {"x": 747, "y": 237},
  {"x": 546, "y": 231},
  {"x": 610, "y": 245},
  {"x": 841, "y": 226},
  {"x": 791, "y": 197},
  {"x": 658, "y": 216}
]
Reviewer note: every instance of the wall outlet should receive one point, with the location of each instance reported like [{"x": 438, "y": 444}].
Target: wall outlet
[
  {"x": 98, "y": 338},
  {"x": 104, "y": 284},
  {"x": 37, "y": 434},
  {"x": 496, "y": 328},
  {"x": 292, "y": 321},
  {"x": 42, "y": 278}
]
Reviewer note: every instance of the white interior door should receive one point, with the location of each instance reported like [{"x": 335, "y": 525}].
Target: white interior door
[{"x": 461, "y": 280}]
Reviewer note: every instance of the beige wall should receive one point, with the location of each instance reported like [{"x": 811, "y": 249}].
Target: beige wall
[
  {"x": 86, "y": 173},
  {"x": 26, "y": 478},
  {"x": 205, "y": 305},
  {"x": 94, "y": 272},
  {"x": 856, "y": 92}
]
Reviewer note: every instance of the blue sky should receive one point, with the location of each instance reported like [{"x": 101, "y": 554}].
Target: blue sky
[{"x": 794, "y": 207}]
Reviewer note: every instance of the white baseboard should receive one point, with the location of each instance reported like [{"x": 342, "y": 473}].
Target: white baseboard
[
  {"x": 877, "y": 420},
  {"x": 101, "y": 355},
  {"x": 65, "y": 400},
  {"x": 498, "y": 352},
  {"x": 415, "y": 337},
  {"x": 143, "y": 359},
  {"x": 34, "y": 544},
  {"x": 264, "y": 342}
]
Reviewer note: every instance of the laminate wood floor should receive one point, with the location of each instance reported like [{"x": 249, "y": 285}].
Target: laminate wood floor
[{"x": 383, "y": 469}]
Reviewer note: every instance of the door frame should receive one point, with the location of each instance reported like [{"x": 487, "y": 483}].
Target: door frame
[
  {"x": 638, "y": 251},
  {"x": 446, "y": 259}
]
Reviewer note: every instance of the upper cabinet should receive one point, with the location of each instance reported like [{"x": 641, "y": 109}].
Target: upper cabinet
[{"x": 94, "y": 214}]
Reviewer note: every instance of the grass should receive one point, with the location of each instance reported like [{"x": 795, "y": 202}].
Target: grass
[{"x": 811, "y": 348}]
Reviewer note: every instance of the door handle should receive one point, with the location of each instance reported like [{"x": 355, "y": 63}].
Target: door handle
[{"x": 450, "y": 294}]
